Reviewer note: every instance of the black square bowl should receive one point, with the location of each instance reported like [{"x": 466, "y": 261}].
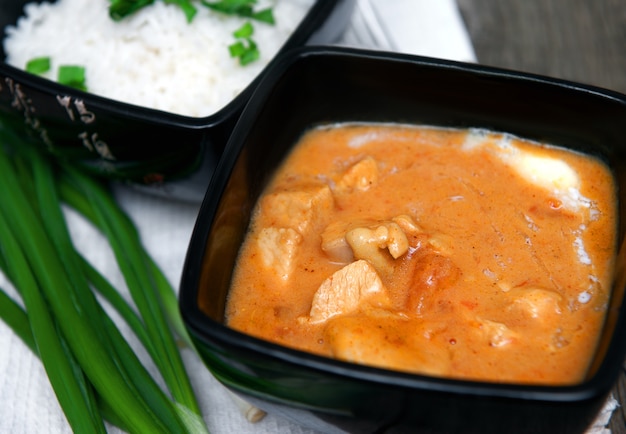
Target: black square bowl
[
  {"x": 316, "y": 86},
  {"x": 170, "y": 154}
]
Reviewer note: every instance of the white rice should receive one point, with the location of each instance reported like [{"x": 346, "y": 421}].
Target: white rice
[{"x": 153, "y": 58}]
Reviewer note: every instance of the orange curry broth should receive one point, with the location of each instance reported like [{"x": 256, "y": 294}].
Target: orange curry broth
[{"x": 505, "y": 278}]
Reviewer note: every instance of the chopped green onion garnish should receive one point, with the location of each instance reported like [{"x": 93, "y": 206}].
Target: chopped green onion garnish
[
  {"x": 244, "y": 31},
  {"x": 251, "y": 54},
  {"x": 73, "y": 76},
  {"x": 188, "y": 8},
  {"x": 245, "y": 48},
  {"x": 69, "y": 75},
  {"x": 264, "y": 15},
  {"x": 38, "y": 65},
  {"x": 119, "y": 9},
  {"x": 237, "y": 49},
  {"x": 242, "y": 8}
]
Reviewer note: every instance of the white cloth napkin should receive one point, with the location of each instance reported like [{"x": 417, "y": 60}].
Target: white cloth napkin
[
  {"x": 422, "y": 27},
  {"x": 28, "y": 404}
]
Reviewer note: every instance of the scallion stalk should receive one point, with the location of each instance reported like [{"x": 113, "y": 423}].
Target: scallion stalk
[
  {"x": 71, "y": 389},
  {"x": 135, "y": 374},
  {"x": 44, "y": 262},
  {"x": 75, "y": 199},
  {"x": 39, "y": 253},
  {"x": 126, "y": 246},
  {"x": 16, "y": 318},
  {"x": 106, "y": 290}
]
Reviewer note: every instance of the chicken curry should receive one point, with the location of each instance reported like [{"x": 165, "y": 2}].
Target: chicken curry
[{"x": 446, "y": 252}]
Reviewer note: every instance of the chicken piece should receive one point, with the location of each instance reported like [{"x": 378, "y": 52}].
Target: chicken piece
[
  {"x": 360, "y": 177},
  {"x": 278, "y": 247},
  {"x": 535, "y": 303},
  {"x": 348, "y": 289},
  {"x": 496, "y": 334},
  {"x": 538, "y": 312},
  {"x": 383, "y": 339},
  {"x": 297, "y": 209}
]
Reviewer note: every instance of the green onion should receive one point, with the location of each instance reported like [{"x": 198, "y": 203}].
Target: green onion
[
  {"x": 264, "y": 15},
  {"x": 137, "y": 378},
  {"x": 244, "y": 31},
  {"x": 245, "y": 48},
  {"x": 17, "y": 319},
  {"x": 74, "y": 395},
  {"x": 186, "y": 6},
  {"x": 38, "y": 65},
  {"x": 73, "y": 76},
  {"x": 242, "y": 8},
  {"x": 126, "y": 245},
  {"x": 65, "y": 323},
  {"x": 119, "y": 9},
  {"x": 78, "y": 330},
  {"x": 104, "y": 288},
  {"x": 69, "y": 75}
]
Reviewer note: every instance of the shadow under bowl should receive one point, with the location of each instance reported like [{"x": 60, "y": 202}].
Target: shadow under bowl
[
  {"x": 314, "y": 86},
  {"x": 170, "y": 154}
]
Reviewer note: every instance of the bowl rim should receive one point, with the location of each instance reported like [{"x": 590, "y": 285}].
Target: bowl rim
[{"x": 205, "y": 329}]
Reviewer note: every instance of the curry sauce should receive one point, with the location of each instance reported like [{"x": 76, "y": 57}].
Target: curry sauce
[{"x": 456, "y": 253}]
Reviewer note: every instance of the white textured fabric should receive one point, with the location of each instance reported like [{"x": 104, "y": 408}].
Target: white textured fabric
[
  {"x": 422, "y": 27},
  {"x": 27, "y": 403}
]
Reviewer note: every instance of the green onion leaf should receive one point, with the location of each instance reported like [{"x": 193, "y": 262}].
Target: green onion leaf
[
  {"x": 241, "y": 8},
  {"x": 73, "y": 76},
  {"x": 74, "y": 395},
  {"x": 119, "y": 9},
  {"x": 250, "y": 55},
  {"x": 246, "y": 51},
  {"x": 244, "y": 31},
  {"x": 245, "y": 48},
  {"x": 137, "y": 378},
  {"x": 188, "y": 8},
  {"x": 231, "y": 7},
  {"x": 17, "y": 319},
  {"x": 38, "y": 65},
  {"x": 237, "y": 49},
  {"x": 77, "y": 327},
  {"x": 265, "y": 16},
  {"x": 137, "y": 271},
  {"x": 91, "y": 366}
]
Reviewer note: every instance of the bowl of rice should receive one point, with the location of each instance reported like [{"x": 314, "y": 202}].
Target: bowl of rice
[{"x": 155, "y": 93}]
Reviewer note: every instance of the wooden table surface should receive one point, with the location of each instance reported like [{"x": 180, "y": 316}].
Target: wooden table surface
[{"x": 580, "y": 40}]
